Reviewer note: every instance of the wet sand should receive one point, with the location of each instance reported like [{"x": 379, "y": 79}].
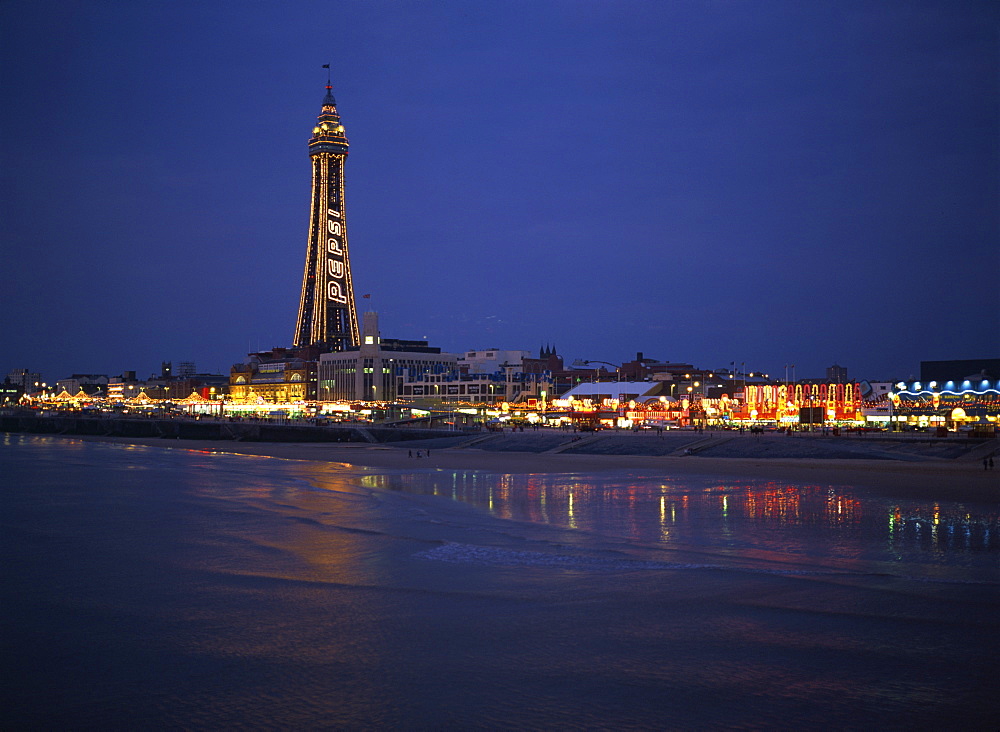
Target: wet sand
[
  {"x": 160, "y": 588},
  {"x": 946, "y": 480}
]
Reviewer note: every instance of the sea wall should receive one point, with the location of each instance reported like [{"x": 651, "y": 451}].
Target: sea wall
[{"x": 210, "y": 429}]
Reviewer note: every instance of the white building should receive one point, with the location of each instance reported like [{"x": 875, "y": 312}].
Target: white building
[
  {"x": 623, "y": 391},
  {"x": 450, "y": 385},
  {"x": 29, "y": 381},
  {"x": 490, "y": 360},
  {"x": 370, "y": 372},
  {"x": 89, "y": 383}
]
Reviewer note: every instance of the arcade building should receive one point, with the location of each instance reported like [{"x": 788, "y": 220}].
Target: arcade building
[{"x": 972, "y": 404}]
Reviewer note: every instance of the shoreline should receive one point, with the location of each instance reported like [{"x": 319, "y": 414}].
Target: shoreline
[{"x": 945, "y": 480}]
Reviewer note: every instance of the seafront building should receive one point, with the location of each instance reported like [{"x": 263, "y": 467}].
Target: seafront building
[
  {"x": 490, "y": 360},
  {"x": 373, "y": 370},
  {"x": 961, "y": 394},
  {"x": 278, "y": 376},
  {"x": 452, "y": 386},
  {"x": 971, "y": 403},
  {"x": 91, "y": 384},
  {"x": 10, "y": 393},
  {"x": 163, "y": 389},
  {"x": 27, "y": 380}
]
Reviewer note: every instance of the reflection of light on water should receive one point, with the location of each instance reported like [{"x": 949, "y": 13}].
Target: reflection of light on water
[
  {"x": 774, "y": 515},
  {"x": 664, "y": 531},
  {"x": 938, "y": 532}
]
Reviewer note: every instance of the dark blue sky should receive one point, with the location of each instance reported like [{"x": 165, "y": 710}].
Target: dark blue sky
[{"x": 760, "y": 182}]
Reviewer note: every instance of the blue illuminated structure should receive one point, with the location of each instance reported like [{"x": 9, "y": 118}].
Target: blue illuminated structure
[{"x": 951, "y": 403}]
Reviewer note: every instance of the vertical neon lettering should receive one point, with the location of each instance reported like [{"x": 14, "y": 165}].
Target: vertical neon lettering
[{"x": 334, "y": 292}]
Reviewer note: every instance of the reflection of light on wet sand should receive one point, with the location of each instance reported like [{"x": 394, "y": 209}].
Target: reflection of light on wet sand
[
  {"x": 771, "y": 515},
  {"x": 680, "y": 512},
  {"x": 294, "y": 533},
  {"x": 664, "y": 528}
]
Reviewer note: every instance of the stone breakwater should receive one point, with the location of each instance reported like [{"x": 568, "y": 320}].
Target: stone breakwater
[
  {"x": 207, "y": 429},
  {"x": 914, "y": 448},
  {"x": 544, "y": 444}
]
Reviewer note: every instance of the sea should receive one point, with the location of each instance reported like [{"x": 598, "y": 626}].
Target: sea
[{"x": 177, "y": 589}]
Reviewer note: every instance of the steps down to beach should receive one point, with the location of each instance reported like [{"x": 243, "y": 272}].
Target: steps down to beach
[{"x": 577, "y": 441}]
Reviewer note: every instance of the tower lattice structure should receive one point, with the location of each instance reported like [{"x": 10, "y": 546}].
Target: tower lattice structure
[{"x": 328, "y": 317}]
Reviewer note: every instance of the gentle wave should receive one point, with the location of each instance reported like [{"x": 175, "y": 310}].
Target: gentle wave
[
  {"x": 493, "y": 556},
  {"x": 456, "y": 553}
]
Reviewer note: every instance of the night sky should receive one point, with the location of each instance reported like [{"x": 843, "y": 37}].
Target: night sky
[{"x": 759, "y": 182}]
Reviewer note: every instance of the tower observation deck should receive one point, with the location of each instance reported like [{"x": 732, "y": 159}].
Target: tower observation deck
[{"x": 328, "y": 317}]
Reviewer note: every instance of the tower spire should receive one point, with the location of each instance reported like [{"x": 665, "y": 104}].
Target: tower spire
[{"x": 328, "y": 100}]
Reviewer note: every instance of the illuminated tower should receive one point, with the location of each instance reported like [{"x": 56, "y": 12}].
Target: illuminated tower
[{"x": 327, "y": 315}]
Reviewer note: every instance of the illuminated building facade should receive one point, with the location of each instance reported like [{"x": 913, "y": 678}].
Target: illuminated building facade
[
  {"x": 126, "y": 386},
  {"x": 10, "y": 392},
  {"x": 815, "y": 403},
  {"x": 328, "y": 317},
  {"x": 278, "y": 376},
  {"x": 969, "y": 402}
]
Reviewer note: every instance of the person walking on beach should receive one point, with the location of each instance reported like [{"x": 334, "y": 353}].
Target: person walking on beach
[{"x": 409, "y": 453}]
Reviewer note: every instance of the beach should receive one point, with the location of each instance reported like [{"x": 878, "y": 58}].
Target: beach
[
  {"x": 200, "y": 585},
  {"x": 930, "y": 479}
]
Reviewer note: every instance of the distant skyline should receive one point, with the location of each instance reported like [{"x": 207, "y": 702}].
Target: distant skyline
[{"x": 760, "y": 182}]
